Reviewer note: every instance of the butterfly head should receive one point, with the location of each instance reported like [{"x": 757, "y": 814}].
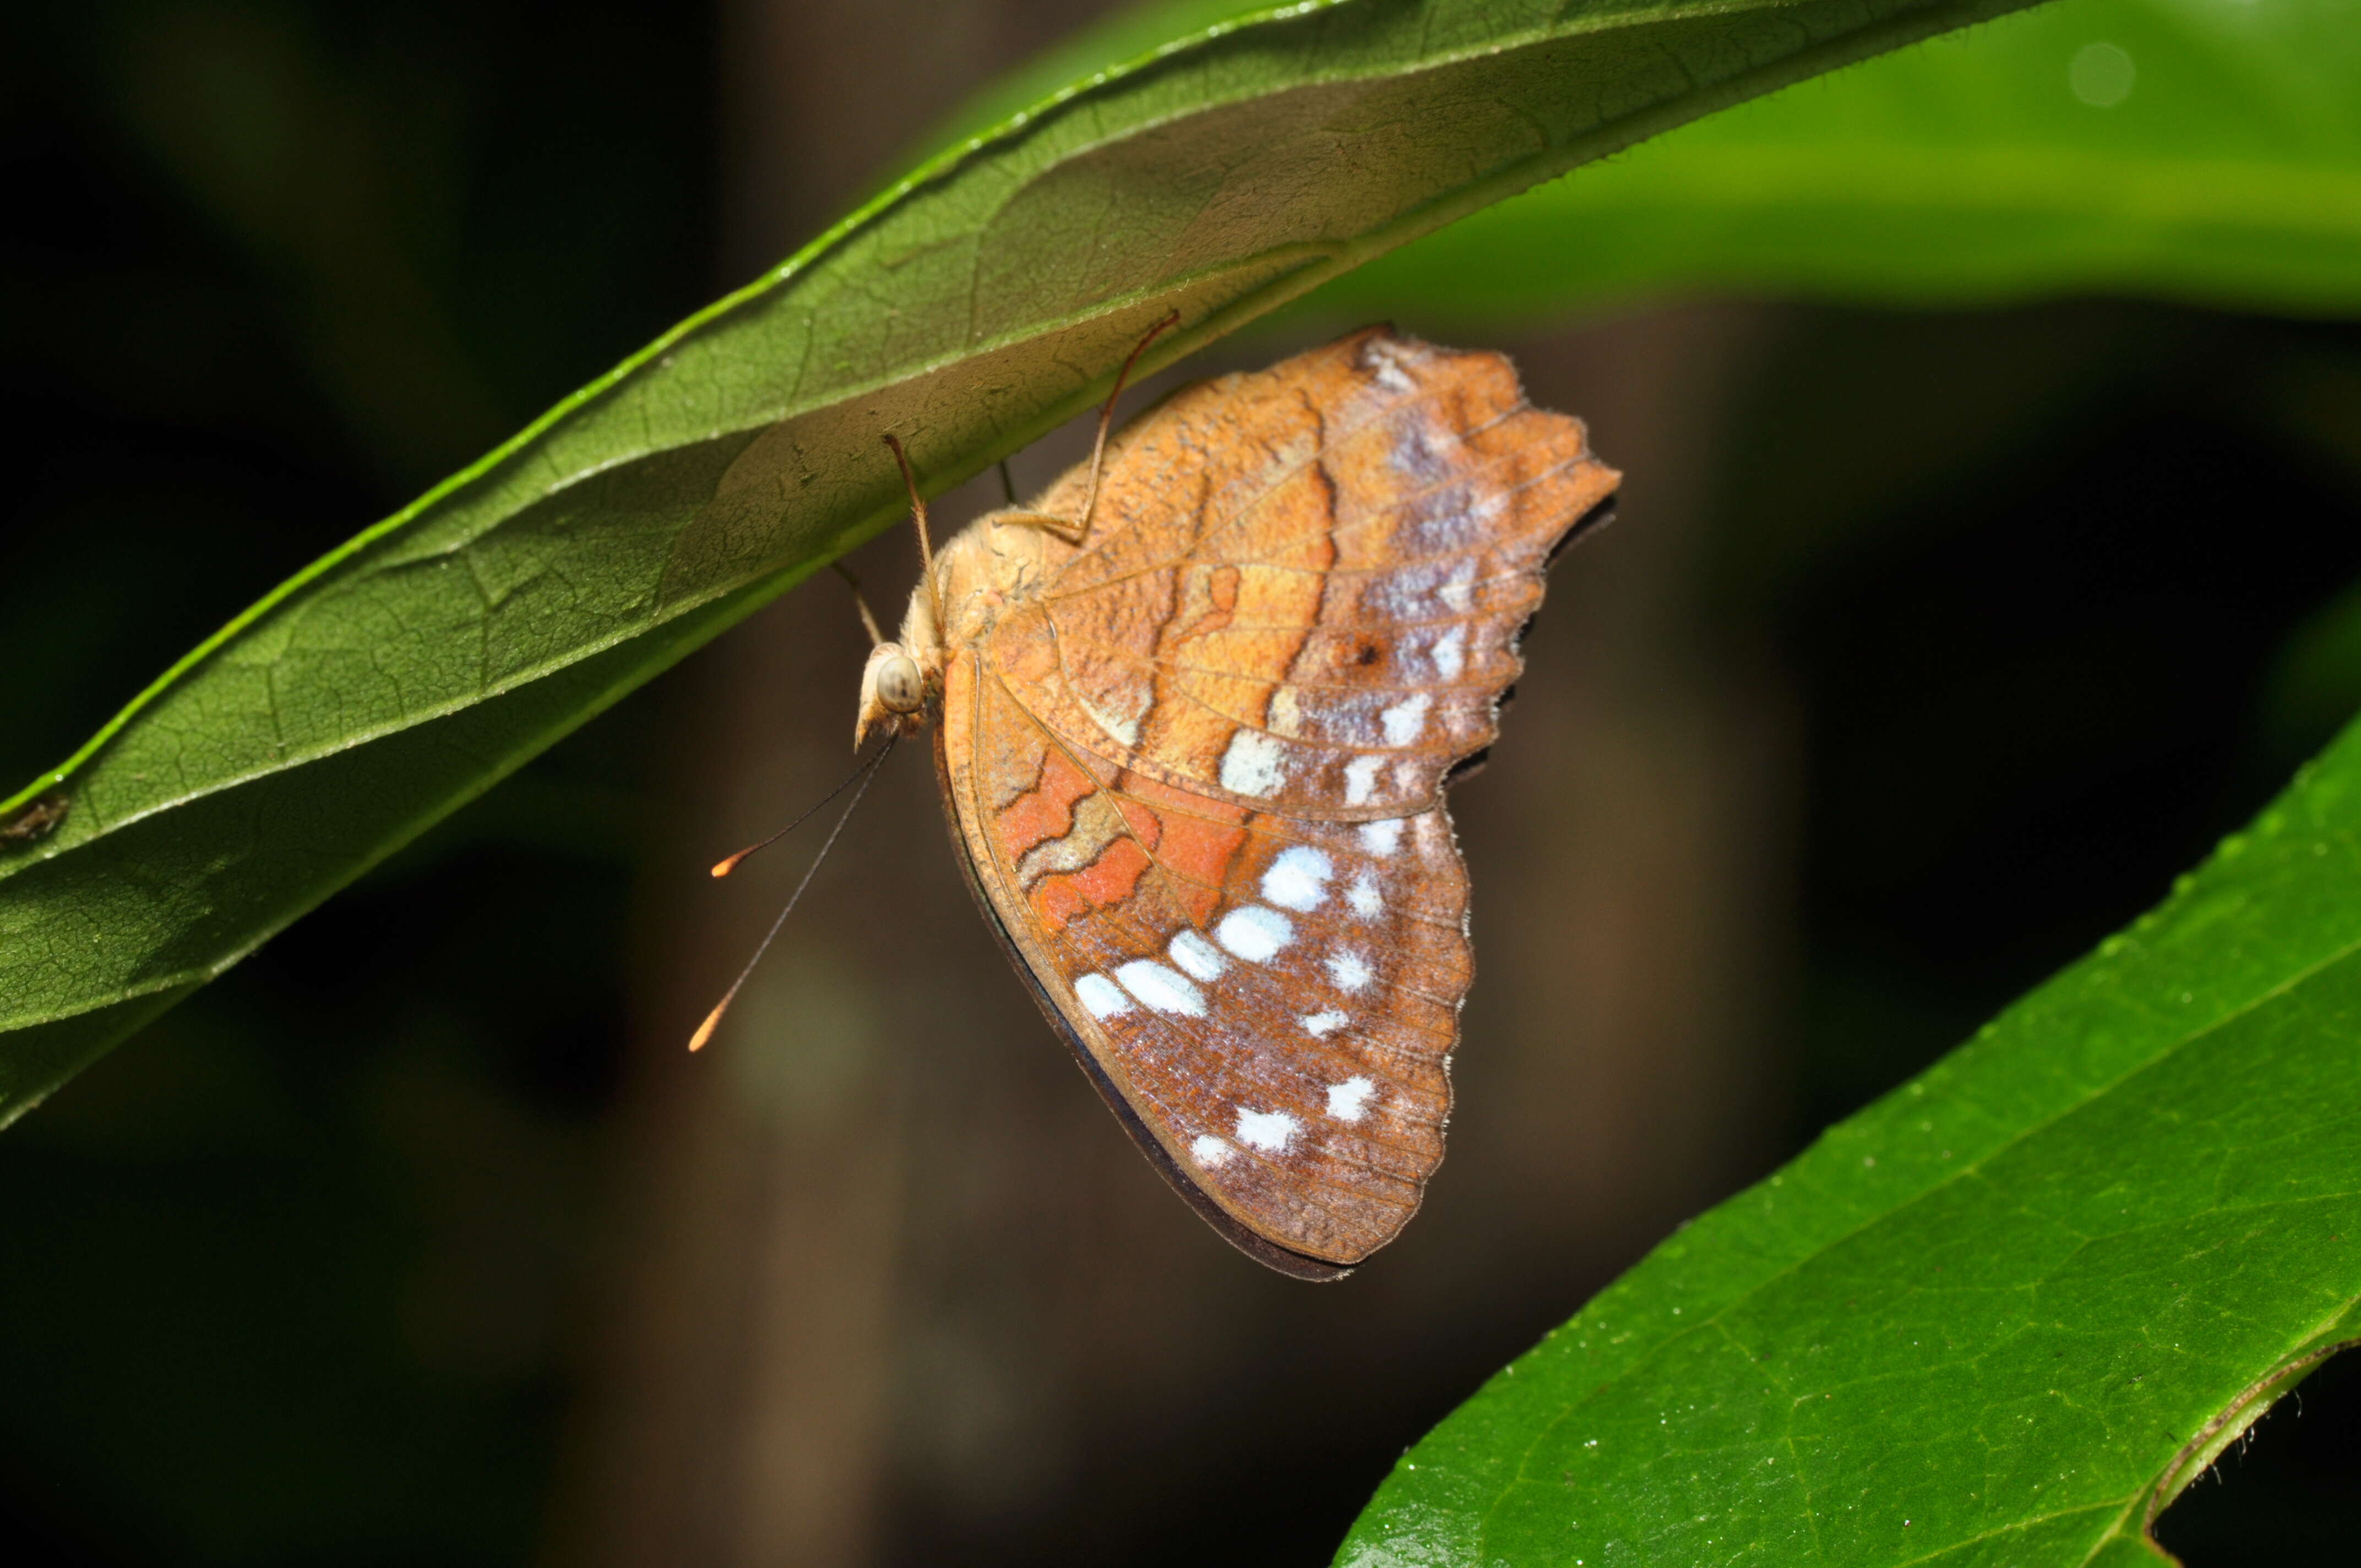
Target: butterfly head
[{"x": 897, "y": 693}]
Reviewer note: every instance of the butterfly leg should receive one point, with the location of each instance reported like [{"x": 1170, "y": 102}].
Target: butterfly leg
[
  {"x": 1075, "y": 532},
  {"x": 919, "y": 518}
]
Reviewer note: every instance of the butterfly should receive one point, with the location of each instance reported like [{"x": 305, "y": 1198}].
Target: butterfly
[{"x": 1193, "y": 716}]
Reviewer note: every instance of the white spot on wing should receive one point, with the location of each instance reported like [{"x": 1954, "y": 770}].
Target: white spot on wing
[
  {"x": 1454, "y": 592},
  {"x": 1160, "y": 988},
  {"x": 1382, "y": 838},
  {"x": 1286, "y": 716},
  {"x": 1212, "y": 1152},
  {"x": 1254, "y": 933},
  {"x": 1199, "y": 957},
  {"x": 1347, "y": 1100},
  {"x": 1299, "y": 878},
  {"x": 1450, "y": 653},
  {"x": 1324, "y": 1022},
  {"x": 1125, "y": 728},
  {"x": 1361, "y": 779},
  {"x": 1102, "y": 996},
  {"x": 1269, "y": 1131},
  {"x": 1349, "y": 970},
  {"x": 1363, "y": 897},
  {"x": 1405, "y": 718},
  {"x": 1254, "y": 765}
]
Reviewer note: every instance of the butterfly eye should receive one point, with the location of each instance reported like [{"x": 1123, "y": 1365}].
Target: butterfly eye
[{"x": 898, "y": 687}]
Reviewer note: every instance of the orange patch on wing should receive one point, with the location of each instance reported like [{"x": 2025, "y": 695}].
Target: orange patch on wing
[
  {"x": 1220, "y": 606},
  {"x": 1104, "y": 883},
  {"x": 1045, "y": 812},
  {"x": 1195, "y": 838}
]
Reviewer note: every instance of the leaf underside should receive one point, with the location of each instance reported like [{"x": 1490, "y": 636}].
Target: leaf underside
[
  {"x": 2003, "y": 1315},
  {"x": 969, "y": 309}
]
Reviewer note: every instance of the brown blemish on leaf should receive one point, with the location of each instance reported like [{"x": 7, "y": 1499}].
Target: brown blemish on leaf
[{"x": 37, "y": 820}]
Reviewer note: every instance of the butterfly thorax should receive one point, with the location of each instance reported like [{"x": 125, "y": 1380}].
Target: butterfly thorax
[{"x": 990, "y": 566}]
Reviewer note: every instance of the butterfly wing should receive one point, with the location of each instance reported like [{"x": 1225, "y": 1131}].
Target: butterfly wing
[
  {"x": 1197, "y": 776},
  {"x": 1302, "y": 588},
  {"x": 1267, "y": 1002}
]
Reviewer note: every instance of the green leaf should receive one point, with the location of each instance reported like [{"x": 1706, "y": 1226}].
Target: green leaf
[
  {"x": 971, "y": 308},
  {"x": 2003, "y": 1315},
  {"x": 1996, "y": 165}
]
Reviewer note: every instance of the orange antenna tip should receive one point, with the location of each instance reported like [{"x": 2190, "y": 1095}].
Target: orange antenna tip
[
  {"x": 724, "y": 867},
  {"x": 864, "y": 774}
]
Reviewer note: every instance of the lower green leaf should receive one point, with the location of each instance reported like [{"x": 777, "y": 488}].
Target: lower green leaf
[{"x": 2003, "y": 1315}]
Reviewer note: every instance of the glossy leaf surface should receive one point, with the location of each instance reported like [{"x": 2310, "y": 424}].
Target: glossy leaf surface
[
  {"x": 2003, "y": 1315},
  {"x": 972, "y": 307}
]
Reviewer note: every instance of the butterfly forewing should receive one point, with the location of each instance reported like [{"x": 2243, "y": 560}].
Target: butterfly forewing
[{"x": 1303, "y": 588}]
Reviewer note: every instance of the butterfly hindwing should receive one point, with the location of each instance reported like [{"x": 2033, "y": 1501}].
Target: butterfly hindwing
[{"x": 1273, "y": 999}]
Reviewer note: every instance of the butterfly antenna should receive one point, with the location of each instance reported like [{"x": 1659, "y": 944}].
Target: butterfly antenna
[
  {"x": 722, "y": 868},
  {"x": 868, "y": 619},
  {"x": 866, "y": 773},
  {"x": 919, "y": 516},
  {"x": 1106, "y": 414}
]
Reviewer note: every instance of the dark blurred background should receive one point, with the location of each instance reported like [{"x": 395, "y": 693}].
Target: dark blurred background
[{"x": 1928, "y": 650}]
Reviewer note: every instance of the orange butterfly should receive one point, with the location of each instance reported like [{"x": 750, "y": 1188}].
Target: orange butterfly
[{"x": 1193, "y": 743}]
